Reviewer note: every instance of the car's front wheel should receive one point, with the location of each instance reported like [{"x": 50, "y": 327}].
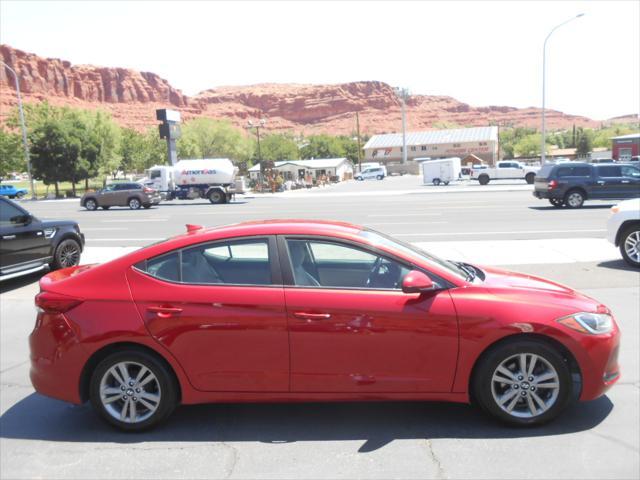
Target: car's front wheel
[
  {"x": 630, "y": 245},
  {"x": 523, "y": 382},
  {"x": 530, "y": 178},
  {"x": 90, "y": 204},
  {"x": 67, "y": 254},
  {"x": 19, "y": 195},
  {"x": 133, "y": 390}
]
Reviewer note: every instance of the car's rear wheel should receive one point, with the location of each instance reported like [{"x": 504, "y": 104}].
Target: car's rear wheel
[
  {"x": 630, "y": 245},
  {"x": 574, "y": 199},
  {"x": 67, "y": 254},
  {"x": 556, "y": 202},
  {"x": 530, "y": 177},
  {"x": 90, "y": 204},
  {"x": 133, "y": 390},
  {"x": 134, "y": 203},
  {"x": 523, "y": 382},
  {"x": 483, "y": 179}
]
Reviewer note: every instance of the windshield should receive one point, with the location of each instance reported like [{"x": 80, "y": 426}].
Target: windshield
[{"x": 378, "y": 238}]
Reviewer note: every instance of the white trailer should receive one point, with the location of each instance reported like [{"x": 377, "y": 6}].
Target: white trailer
[
  {"x": 441, "y": 171},
  {"x": 210, "y": 178}
]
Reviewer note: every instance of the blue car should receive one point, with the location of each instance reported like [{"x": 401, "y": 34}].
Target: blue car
[{"x": 12, "y": 192}]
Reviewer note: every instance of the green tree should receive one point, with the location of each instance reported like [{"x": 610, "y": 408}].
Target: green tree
[
  {"x": 528, "y": 146},
  {"x": 204, "y": 138},
  {"x": 53, "y": 153},
  {"x": 277, "y": 147},
  {"x": 11, "y": 153},
  {"x": 585, "y": 145},
  {"x": 322, "y": 146}
]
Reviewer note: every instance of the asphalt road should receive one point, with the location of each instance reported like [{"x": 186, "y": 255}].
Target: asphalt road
[{"x": 44, "y": 438}]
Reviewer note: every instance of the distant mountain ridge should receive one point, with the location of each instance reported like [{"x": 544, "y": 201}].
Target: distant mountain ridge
[{"x": 132, "y": 97}]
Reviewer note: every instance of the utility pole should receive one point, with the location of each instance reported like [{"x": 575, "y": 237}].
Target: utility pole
[
  {"x": 258, "y": 125},
  {"x": 359, "y": 147},
  {"x": 24, "y": 130},
  {"x": 403, "y": 93}
]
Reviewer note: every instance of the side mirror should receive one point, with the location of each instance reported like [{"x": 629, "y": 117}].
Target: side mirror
[{"x": 417, "y": 282}]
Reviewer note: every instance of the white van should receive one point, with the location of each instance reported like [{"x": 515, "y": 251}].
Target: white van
[{"x": 371, "y": 173}]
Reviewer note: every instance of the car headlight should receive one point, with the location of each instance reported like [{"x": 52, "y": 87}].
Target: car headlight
[
  {"x": 585, "y": 322},
  {"x": 50, "y": 232}
]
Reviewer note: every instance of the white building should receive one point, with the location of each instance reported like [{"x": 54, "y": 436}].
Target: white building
[
  {"x": 460, "y": 142},
  {"x": 341, "y": 168}
]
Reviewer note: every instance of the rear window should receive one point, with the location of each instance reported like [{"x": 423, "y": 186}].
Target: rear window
[
  {"x": 545, "y": 171},
  {"x": 573, "y": 171}
]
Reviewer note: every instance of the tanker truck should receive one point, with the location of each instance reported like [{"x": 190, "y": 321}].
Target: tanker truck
[{"x": 211, "y": 178}]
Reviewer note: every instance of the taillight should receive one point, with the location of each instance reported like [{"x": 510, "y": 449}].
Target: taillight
[
  {"x": 147, "y": 190},
  {"x": 50, "y": 302},
  {"x": 552, "y": 184}
]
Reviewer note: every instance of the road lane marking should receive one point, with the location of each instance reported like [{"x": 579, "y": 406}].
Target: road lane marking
[
  {"x": 513, "y": 232},
  {"x": 396, "y": 215},
  {"x": 404, "y": 223},
  {"x": 91, "y": 229},
  {"x": 135, "y": 220},
  {"x": 126, "y": 239}
]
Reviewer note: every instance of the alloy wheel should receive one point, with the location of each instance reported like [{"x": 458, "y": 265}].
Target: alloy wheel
[
  {"x": 632, "y": 246},
  {"x": 525, "y": 385},
  {"x": 130, "y": 392},
  {"x": 574, "y": 200},
  {"x": 134, "y": 204},
  {"x": 68, "y": 254},
  {"x": 91, "y": 205}
]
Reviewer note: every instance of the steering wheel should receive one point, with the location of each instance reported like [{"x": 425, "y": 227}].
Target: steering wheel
[{"x": 374, "y": 269}]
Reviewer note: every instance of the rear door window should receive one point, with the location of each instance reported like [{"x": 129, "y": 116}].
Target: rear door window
[
  {"x": 628, "y": 171},
  {"x": 609, "y": 171}
]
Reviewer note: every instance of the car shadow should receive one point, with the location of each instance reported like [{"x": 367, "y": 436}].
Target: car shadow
[
  {"x": 19, "y": 282},
  {"x": 564, "y": 209},
  {"x": 618, "y": 265},
  {"x": 39, "y": 418}
]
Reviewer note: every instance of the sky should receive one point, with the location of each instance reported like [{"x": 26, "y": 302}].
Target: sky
[{"x": 482, "y": 53}]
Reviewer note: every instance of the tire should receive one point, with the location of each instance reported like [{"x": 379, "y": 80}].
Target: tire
[
  {"x": 19, "y": 195},
  {"x": 556, "y": 202},
  {"x": 483, "y": 179},
  {"x": 359, "y": 179},
  {"x": 436, "y": 181},
  {"x": 157, "y": 386},
  {"x": 134, "y": 203},
  {"x": 106, "y": 207},
  {"x": 503, "y": 362},
  {"x": 91, "y": 204},
  {"x": 630, "y": 245},
  {"x": 146, "y": 206},
  {"x": 217, "y": 196},
  {"x": 67, "y": 254},
  {"x": 380, "y": 177},
  {"x": 574, "y": 199},
  {"x": 530, "y": 178},
  {"x": 446, "y": 182}
]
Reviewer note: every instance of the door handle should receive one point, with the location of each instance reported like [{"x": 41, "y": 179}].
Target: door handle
[
  {"x": 164, "y": 312},
  {"x": 600, "y": 182},
  {"x": 312, "y": 316},
  {"x": 624, "y": 181},
  {"x": 8, "y": 237}
]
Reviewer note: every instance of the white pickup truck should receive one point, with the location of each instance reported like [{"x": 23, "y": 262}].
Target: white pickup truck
[{"x": 505, "y": 170}]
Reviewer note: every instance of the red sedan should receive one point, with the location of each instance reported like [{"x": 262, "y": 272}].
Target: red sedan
[{"x": 313, "y": 311}]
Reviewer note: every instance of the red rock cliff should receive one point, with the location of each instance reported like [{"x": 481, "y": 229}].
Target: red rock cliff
[{"x": 133, "y": 96}]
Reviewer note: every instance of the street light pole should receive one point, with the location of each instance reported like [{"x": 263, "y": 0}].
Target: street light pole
[
  {"x": 24, "y": 129},
  {"x": 543, "y": 152},
  {"x": 403, "y": 93}
]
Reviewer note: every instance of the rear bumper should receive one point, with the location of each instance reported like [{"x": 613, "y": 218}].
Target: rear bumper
[
  {"x": 542, "y": 194},
  {"x": 56, "y": 358}
]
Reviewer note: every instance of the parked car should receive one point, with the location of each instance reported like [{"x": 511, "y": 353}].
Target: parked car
[
  {"x": 374, "y": 173},
  {"x": 623, "y": 230},
  {"x": 505, "y": 170},
  {"x": 29, "y": 245},
  {"x": 132, "y": 195},
  {"x": 635, "y": 158},
  {"x": 571, "y": 184},
  {"x": 12, "y": 192},
  {"x": 313, "y": 311}
]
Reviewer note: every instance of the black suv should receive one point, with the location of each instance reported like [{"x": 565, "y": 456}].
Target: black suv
[
  {"x": 28, "y": 245},
  {"x": 570, "y": 184}
]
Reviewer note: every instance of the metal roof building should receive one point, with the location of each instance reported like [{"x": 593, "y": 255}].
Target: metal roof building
[{"x": 458, "y": 142}]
